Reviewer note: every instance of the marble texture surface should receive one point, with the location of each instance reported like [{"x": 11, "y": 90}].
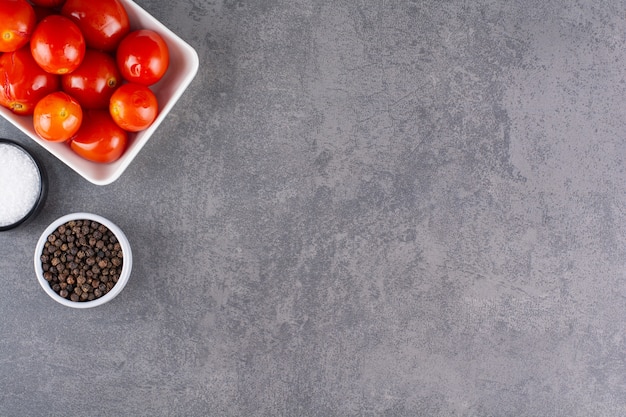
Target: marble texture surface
[{"x": 358, "y": 208}]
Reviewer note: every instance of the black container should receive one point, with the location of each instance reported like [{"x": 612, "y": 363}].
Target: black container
[{"x": 43, "y": 186}]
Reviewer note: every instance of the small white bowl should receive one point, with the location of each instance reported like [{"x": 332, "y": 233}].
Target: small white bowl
[
  {"x": 126, "y": 266},
  {"x": 183, "y": 67}
]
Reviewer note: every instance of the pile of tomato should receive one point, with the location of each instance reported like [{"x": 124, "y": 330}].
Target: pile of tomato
[{"x": 79, "y": 70}]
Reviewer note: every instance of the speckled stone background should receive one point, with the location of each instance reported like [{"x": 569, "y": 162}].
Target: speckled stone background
[{"x": 358, "y": 208}]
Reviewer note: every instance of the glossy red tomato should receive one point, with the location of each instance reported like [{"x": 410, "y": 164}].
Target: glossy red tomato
[
  {"x": 103, "y": 22},
  {"x": 17, "y": 22},
  {"x": 24, "y": 83},
  {"x": 99, "y": 139},
  {"x": 57, "y": 117},
  {"x": 143, "y": 57},
  {"x": 57, "y": 45},
  {"x": 133, "y": 107},
  {"x": 94, "y": 81},
  {"x": 48, "y": 3}
]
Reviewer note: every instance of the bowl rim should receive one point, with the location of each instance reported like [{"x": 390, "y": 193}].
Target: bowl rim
[
  {"x": 126, "y": 268},
  {"x": 43, "y": 185}
]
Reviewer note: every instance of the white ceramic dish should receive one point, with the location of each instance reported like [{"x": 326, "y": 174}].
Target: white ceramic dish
[
  {"x": 183, "y": 67},
  {"x": 126, "y": 267}
]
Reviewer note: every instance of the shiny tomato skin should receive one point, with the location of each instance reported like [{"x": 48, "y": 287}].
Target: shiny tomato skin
[
  {"x": 57, "y": 117},
  {"x": 24, "y": 83},
  {"x": 48, "y": 3},
  {"x": 133, "y": 107},
  {"x": 17, "y": 22},
  {"x": 103, "y": 22},
  {"x": 143, "y": 57},
  {"x": 94, "y": 81},
  {"x": 99, "y": 139},
  {"x": 57, "y": 44}
]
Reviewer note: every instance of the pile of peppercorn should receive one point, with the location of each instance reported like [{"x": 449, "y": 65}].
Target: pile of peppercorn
[{"x": 82, "y": 260}]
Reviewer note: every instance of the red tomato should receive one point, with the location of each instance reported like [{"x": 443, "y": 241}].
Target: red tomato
[
  {"x": 93, "y": 83},
  {"x": 24, "y": 83},
  {"x": 143, "y": 57},
  {"x": 99, "y": 139},
  {"x": 133, "y": 107},
  {"x": 17, "y": 22},
  {"x": 103, "y": 22},
  {"x": 57, "y": 45},
  {"x": 57, "y": 117},
  {"x": 48, "y": 3}
]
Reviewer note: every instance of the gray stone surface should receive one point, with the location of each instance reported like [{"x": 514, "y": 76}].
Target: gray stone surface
[{"x": 358, "y": 208}]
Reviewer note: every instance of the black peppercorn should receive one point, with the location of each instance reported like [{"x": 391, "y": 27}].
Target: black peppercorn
[{"x": 82, "y": 260}]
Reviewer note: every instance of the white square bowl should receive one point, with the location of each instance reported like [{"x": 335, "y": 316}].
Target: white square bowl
[{"x": 182, "y": 69}]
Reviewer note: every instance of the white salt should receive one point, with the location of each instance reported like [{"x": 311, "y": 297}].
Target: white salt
[{"x": 20, "y": 184}]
